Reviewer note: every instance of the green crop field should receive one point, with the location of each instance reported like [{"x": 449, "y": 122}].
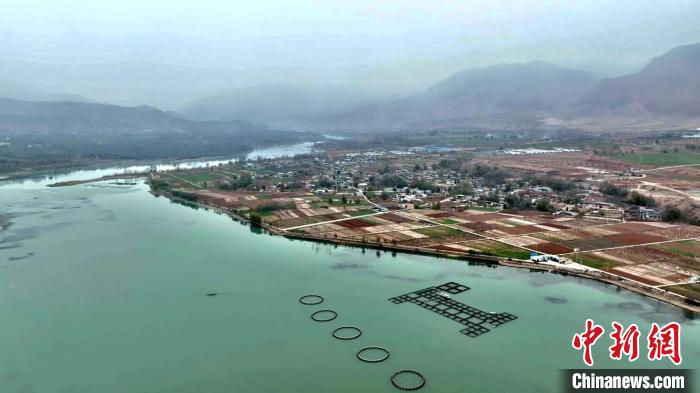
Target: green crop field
[
  {"x": 484, "y": 209},
  {"x": 438, "y": 231},
  {"x": 511, "y": 252},
  {"x": 360, "y": 212},
  {"x": 199, "y": 176},
  {"x": 596, "y": 261},
  {"x": 669, "y": 247}
]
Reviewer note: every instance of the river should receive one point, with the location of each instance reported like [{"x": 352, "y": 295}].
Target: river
[
  {"x": 41, "y": 179},
  {"x": 103, "y": 288}
]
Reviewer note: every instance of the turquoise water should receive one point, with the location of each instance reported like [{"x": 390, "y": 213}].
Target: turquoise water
[{"x": 103, "y": 289}]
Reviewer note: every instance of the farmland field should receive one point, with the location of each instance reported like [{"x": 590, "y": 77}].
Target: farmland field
[
  {"x": 200, "y": 176},
  {"x": 596, "y": 261},
  {"x": 360, "y": 212},
  {"x": 688, "y": 290},
  {"x": 660, "y": 159},
  {"x": 439, "y": 231}
]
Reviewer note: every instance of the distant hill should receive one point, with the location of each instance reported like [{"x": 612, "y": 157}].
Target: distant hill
[
  {"x": 276, "y": 103},
  {"x": 78, "y": 117},
  {"x": 40, "y": 129},
  {"x": 510, "y": 88},
  {"x": 18, "y": 116},
  {"x": 507, "y": 89},
  {"x": 21, "y": 91},
  {"x": 669, "y": 85}
]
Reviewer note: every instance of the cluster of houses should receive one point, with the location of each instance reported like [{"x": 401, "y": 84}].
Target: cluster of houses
[
  {"x": 643, "y": 213},
  {"x": 354, "y": 172}
]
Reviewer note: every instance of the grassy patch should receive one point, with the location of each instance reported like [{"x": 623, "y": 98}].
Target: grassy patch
[
  {"x": 199, "y": 176},
  {"x": 674, "y": 249},
  {"x": 179, "y": 183},
  {"x": 511, "y": 252},
  {"x": 449, "y": 221},
  {"x": 691, "y": 291},
  {"x": 356, "y": 213},
  {"x": 494, "y": 248},
  {"x": 596, "y": 261},
  {"x": 438, "y": 231},
  {"x": 484, "y": 209}
]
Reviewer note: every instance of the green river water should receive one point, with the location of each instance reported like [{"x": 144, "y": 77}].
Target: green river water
[{"x": 103, "y": 289}]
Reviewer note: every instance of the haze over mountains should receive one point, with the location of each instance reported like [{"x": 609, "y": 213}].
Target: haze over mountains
[
  {"x": 385, "y": 49},
  {"x": 507, "y": 89},
  {"x": 668, "y": 85},
  {"x": 522, "y": 95},
  {"x": 64, "y": 130},
  {"x": 85, "y": 118},
  {"x": 519, "y": 95},
  {"x": 278, "y": 103}
]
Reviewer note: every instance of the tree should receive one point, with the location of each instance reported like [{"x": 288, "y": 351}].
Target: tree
[
  {"x": 671, "y": 214},
  {"x": 641, "y": 200},
  {"x": 325, "y": 183},
  {"x": 518, "y": 203},
  {"x": 613, "y": 190},
  {"x": 542, "y": 205},
  {"x": 255, "y": 219},
  {"x": 462, "y": 188}
]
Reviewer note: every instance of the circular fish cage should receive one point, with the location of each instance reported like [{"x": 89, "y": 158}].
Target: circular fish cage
[
  {"x": 311, "y": 300},
  {"x": 361, "y": 356},
  {"x": 417, "y": 386},
  {"x": 318, "y": 315},
  {"x": 356, "y": 333}
]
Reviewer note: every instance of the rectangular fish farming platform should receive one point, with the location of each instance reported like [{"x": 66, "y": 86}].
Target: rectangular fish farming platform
[{"x": 472, "y": 318}]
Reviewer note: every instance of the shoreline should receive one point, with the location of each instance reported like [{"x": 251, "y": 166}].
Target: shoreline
[
  {"x": 28, "y": 173},
  {"x": 595, "y": 275},
  {"x": 103, "y": 178}
]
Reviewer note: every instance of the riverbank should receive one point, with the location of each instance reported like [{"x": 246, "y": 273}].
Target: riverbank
[
  {"x": 589, "y": 273},
  {"x": 263, "y": 151},
  {"x": 102, "y": 178}
]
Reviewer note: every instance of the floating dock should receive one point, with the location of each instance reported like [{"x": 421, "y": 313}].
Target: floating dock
[{"x": 436, "y": 299}]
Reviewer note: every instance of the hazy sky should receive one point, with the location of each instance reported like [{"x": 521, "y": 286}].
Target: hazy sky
[
  {"x": 376, "y": 31},
  {"x": 167, "y": 52},
  {"x": 226, "y": 18}
]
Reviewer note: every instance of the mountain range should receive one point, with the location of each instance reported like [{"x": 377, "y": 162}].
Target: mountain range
[
  {"x": 78, "y": 129},
  {"x": 277, "y": 103},
  {"x": 668, "y": 85},
  {"x": 18, "y": 116},
  {"x": 664, "y": 93},
  {"x": 506, "y": 89}
]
